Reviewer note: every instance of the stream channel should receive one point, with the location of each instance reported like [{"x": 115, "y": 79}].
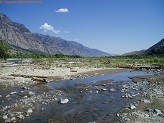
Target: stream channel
[{"x": 90, "y": 100}]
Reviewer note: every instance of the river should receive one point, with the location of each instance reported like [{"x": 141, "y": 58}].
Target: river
[{"x": 95, "y": 99}]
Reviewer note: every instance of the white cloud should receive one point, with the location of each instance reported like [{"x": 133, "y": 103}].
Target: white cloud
[
  {"x": 46, "y": 27},
  {"x": 62, "y": 10}
]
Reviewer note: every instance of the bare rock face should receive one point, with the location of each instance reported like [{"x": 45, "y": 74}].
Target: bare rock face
[{"x": 19, "y": 36}]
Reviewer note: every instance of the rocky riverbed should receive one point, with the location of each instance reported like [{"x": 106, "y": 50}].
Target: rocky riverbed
[
  {"x": 69, "y": 98},
  {"x": 150, "y": 107}
]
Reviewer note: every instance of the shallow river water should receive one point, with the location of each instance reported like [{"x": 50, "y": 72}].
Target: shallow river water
[{"x": 94, "y": 99}]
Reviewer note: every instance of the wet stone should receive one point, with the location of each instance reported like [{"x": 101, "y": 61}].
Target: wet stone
[
  {"x": 31, "y": 93},
  {"x": 132, "y": 107},
  {"x": 21, "y": 116},
  {"x": 13, "y": 93},
  {"x": 64, "y": 101},
  {"x": 103, "y": 89},
  {"x": 7, "y": 96},
  {"x": 117, "y": 114},
  {"x": 112, "y": 89}
]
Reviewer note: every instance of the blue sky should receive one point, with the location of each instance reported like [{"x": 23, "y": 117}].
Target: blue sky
[{"x": 113, "y": 26}]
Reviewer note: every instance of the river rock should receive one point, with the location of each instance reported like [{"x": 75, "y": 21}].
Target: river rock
[
  {"x": 132, "y": 107},
  {"x": 112, "y": 89},
  {"x": 157, "y": 111},
  {"x": 31, "y": 93},
  {"x": 24, "y": 88},
  {"x": 103, "y": 89},
  {"x": 64, "y": 101},
  {"x": 21, "y": 116},
  {"x": 146, "y": 101},
  {"x": 5, "y": 117},
  {"x": 13, "y": 119},
  {"x": 29, "y": 112},
  {"x": 140, "y": 114},
  {"x": 117, "y": 114},
  {"x": 8, "y": 120},
  {"x": 7, "y": 95},
  {"x": 25, "y": 97},
  {"x": 150, "y": 111},
  {"x": 13, "y": 93}
]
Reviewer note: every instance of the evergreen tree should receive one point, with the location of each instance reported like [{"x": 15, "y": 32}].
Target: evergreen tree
[{"x": 4, "y": 50}]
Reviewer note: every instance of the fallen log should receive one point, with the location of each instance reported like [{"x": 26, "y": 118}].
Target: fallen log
[{"x": 35, "y": 78}]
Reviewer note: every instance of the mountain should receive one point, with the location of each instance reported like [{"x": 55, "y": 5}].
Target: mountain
[
  {"x": 61, "y": 46},
  {"x": 141, "y": 52},
  {"x": 20, "y": 38},
  {"x": 157, "y": 48}
]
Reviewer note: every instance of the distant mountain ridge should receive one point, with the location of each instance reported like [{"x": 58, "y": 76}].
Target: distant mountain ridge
[
  {"x": 141, "y": 52},
  {"x": 19, "y": 37}
]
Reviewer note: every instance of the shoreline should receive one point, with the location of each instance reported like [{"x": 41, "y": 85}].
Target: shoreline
[
  {"x": 26, "y": 72},
  {"x": 149, "y": 107}
]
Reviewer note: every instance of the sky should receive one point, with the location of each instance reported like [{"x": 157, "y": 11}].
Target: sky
[{"x": 112, "y": 26}]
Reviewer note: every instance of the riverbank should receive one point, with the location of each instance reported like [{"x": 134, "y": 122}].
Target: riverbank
[
  {"x": 150, "y": 106},
  {"x": 26, "y": 72}
]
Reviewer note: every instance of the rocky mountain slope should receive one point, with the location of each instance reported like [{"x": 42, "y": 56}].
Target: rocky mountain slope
[
  {"x": 157, "y": 48},
  {"x": 141, "y": 52},
  {"x": 19, "y": 37}
]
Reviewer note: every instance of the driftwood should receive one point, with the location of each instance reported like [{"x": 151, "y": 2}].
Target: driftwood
[
  {"x": 39, "y": 79},
  {"x": 73, "y": 70},
  {"x": 36, "y": 78}
]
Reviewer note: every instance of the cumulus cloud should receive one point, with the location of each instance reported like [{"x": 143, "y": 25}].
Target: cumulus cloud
[
  {"x": 64, "y": 10},
  {"x": 46, "y": 27}
]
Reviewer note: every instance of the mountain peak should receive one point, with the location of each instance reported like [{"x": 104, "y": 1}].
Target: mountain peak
[{"x": 4, "y": 18}]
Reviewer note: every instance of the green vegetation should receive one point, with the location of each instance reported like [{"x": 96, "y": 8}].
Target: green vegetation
[
  {"x": 4, "y": 50},
  {"x": 101, "y": 62},
  {"x": 61, "y": 60},
  {"x": 33, "y": 55},
  {"x": 121, "y": 61}
]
